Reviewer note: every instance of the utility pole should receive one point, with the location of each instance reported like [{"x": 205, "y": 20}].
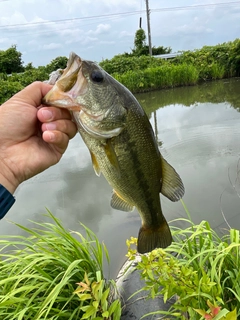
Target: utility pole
[{"x": 149, "y": 30}]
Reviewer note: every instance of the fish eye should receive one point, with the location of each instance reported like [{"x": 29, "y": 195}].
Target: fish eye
[{"x": 97, "y": 76}]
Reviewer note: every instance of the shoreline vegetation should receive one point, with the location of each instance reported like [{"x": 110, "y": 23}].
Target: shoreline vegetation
[
  {"x": 52, "y": 273},
  {"x": 140, "y": 73}
]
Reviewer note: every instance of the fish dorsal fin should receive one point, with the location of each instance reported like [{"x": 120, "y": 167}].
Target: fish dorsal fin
[
  {"x": 111, "y": 155},
  {"x": 95, "y": 164},
  {"x": 172, "y": 186},
  {"x": 120, "y": 204}
]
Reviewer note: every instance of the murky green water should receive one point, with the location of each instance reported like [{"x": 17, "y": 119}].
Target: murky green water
[{"x": 198, "y": 129}]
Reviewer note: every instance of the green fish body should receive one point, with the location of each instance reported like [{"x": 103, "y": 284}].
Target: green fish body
[{"x": 122, "y": 145}]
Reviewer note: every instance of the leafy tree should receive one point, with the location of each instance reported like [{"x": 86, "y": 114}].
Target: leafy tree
[
  {"x": 140, "y": 47},
  {"x": 11, "y": 60},
  {"x": 29, "y": 66},
  {"x": 57, "y": 63},
  {"x": 160, "y": 50},
  {"x": 139, "y": 40}
]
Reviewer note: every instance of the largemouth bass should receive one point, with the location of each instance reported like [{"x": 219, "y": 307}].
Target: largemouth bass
[{"x": 122, "y": 145}]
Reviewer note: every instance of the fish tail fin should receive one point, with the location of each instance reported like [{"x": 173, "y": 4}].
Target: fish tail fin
[{"x": 151, "y": 238}]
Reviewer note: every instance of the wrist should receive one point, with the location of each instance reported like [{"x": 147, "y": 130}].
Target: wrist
[
  {"x": 7, "y": 178},
  {"x": 7, "y": 184}
]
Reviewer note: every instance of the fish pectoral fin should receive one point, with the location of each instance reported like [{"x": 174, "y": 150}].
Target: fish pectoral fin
[
  {"x": 172, "y": 185},
  {"x": 111, "y": 155},
  {"x": 120, "y": 204},
  {"x": 95, "y": 164}
]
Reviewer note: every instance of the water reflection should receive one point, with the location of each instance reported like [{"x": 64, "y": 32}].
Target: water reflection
[
  {"x": 226, "y": 90},
  {"x": 198, "y": 131},
  {"x": 198, "y": 128}
]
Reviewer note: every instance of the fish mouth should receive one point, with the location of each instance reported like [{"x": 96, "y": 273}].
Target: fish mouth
[{"x": 71, "y": 84}]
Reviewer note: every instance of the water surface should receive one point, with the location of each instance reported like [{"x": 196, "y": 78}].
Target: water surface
[{"x": 198, "y": 131}]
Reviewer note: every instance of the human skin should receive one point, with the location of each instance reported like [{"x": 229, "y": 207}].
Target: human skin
[{"x": 33, "y": 137}]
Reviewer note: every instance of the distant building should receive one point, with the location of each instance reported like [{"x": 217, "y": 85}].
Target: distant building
[{"x": 168, "y": 55}]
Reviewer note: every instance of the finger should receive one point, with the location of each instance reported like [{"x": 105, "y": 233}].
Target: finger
[
  {"x": 33, "y": 93},
  {"x": 47, "y": 114},
  {"x": 57, "y": 138},
  {"x": 65, "y": 126}
]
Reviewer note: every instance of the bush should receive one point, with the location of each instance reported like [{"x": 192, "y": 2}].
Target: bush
[
  {"x": 8, "y": 89},
  {"x": 200, "y": 268}
]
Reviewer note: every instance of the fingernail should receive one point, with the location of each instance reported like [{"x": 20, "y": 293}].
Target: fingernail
[
  {"x": 51, "y": 126},
  {"x": 47, "y": 114}
]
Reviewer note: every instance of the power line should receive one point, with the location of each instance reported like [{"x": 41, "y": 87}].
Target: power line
[
  {"x": 71, "y": 19},
  {"x": 116, "y": 15},
  {"x": 223, "y": 4},
  {"x": 23, "y": 34}
]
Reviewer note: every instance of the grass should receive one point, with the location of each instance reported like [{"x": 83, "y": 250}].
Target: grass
[
  {"x": 200, "y": 268},
  {"x": 152, "y": 78},
  {"x": 39, "y": 272}
]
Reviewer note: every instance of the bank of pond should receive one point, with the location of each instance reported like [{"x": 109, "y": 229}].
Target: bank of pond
[
  {"x": 52, "y": 273},
  {"x": 145, "y": 73}
]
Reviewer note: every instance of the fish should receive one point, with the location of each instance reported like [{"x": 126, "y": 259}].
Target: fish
[{"x": 122, "y": 145}]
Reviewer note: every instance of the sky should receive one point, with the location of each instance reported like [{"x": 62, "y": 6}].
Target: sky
[{"x": 99, "y": 29}]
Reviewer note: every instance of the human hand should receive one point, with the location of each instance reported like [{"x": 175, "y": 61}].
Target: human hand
[{"x": 31, "y": 139}]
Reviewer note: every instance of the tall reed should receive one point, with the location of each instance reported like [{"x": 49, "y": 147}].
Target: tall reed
[{"x": 164, "y": 76}]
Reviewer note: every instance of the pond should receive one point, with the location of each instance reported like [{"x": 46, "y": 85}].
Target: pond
[{"x": 198, "y": 130}]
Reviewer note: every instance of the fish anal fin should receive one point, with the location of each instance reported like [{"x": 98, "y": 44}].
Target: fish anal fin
[
  {"x": 111, "y": 155},
  {"x": 152, "y": 238},
  {"x": 172, "y": 185},
  {"x": 118, "y": 203},
  {"x": 95, "y": 164}
]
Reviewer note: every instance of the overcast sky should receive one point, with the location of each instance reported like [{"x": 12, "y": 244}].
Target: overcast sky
[{"x": 100, "y": 29}]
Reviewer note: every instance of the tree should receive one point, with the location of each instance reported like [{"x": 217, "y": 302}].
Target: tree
[
  {"x": 57, "y": 63},
  {"x": 140, "y": 47},
  {"x": 29, "y": 66},
  {"x": 139, "y": 40},
  {"x": 11, "y": 60}
]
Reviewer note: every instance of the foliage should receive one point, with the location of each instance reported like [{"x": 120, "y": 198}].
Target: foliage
[
  {"x": 160, "y": 50},
  {"x": 139, "y": 40},
  {"x": 8, "y": 89},
  {"x": 11, "y": 60},
  {"x": 164, "y": 76},
  {"x": 225, "y": 57},
  {"x": 39, "y": 273},
  {"x": 57, "y": 63},
  {"x": 94, "y": 293},
  {"x": 234, "y": 58},
  {"x": 121, "y": 65},
  {"x": 200, "y": 268},
  {"x": 9, "y": 85}
]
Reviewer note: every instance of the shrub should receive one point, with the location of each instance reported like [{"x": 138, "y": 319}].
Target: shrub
[{"x": 200, "y": 268}]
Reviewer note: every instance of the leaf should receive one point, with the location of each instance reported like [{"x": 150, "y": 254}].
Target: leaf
[
  {"x": 105, "y": 314},
  {"x": 231, "y": 315},
  {"x": 89, "y": 312},
  {"x": 200, "y": 311},
  {"x": 113, "y": 307},
  {"x": 85, "y": 296},
  {"x": 95, "y": 304}
]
